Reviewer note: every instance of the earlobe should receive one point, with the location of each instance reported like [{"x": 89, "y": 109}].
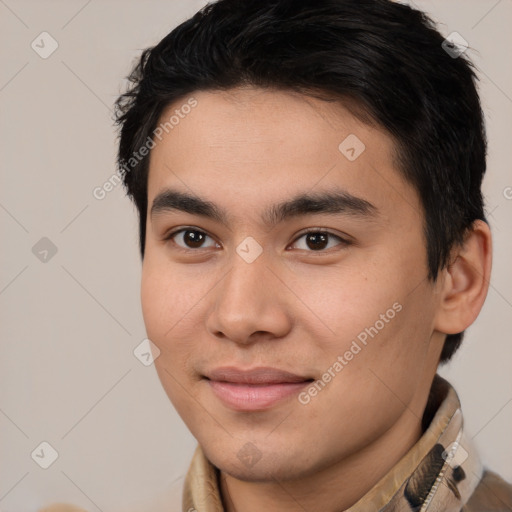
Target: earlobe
[{"x": 466, "y": 281}]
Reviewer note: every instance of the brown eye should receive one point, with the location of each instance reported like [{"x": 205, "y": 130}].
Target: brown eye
[
  {"x": 191, "y": 239},
  {"x": 318, "y": 241}
]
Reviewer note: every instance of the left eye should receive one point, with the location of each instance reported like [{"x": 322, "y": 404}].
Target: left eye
[
  {"x": 318, "y": 241},
  {"x": 191, "y": 239}
]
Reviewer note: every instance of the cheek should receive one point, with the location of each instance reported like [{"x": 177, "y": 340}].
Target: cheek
[
  {"x": 162, "y": 311},
  {"x": 168, "y": 298},
  {"x": 173, "y": 311},
  {"x": 383, "y": 316},
  {"x": 156, "y": 297},
  {"x": 167, "y": 313},
  {"x": 394, "y": 344},
  {"x": 345, "y": 302}
]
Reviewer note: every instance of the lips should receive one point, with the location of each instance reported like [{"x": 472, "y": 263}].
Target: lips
[
  {"x": 255, "y": 389},
  {"x": 263, "y": 375}
]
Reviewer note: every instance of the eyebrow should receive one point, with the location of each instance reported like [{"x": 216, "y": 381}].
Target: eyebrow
[{"x": 330, "y": 202}]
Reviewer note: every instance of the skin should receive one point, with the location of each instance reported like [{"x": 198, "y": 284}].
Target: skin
[{"x": 296, "y": 308}]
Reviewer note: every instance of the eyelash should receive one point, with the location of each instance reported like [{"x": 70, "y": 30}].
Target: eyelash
[{"x": 343, "y": 241}]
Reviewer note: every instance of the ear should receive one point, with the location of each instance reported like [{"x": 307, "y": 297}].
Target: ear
[{"x": 466, "y": 281}]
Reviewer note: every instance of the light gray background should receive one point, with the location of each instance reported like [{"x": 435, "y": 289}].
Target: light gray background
[{"x": 69, "y": 325}]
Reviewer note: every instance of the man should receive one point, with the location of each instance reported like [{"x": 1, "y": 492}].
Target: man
[{"x": 307, "y": 175}]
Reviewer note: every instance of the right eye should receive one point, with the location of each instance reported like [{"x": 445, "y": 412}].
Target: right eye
[{"x": 190, "y": 239}]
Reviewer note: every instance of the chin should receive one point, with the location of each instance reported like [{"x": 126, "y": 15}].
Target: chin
[{"x": 250, "y": 464}]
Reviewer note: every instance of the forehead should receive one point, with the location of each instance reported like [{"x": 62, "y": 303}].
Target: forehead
[
  {"x": 250, "y": 116},
  {"x": 255, "y": 145}
]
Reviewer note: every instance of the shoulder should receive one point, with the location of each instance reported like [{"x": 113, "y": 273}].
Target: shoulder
[
  {"x": 493, "y": 494},
  {"x": 61, "y": 507}
]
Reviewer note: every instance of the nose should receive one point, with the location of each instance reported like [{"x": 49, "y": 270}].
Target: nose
[{"x": 249, "y": 304}]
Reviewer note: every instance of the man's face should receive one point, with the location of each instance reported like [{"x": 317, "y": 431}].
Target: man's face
[{"x": 241, "y": 286}]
